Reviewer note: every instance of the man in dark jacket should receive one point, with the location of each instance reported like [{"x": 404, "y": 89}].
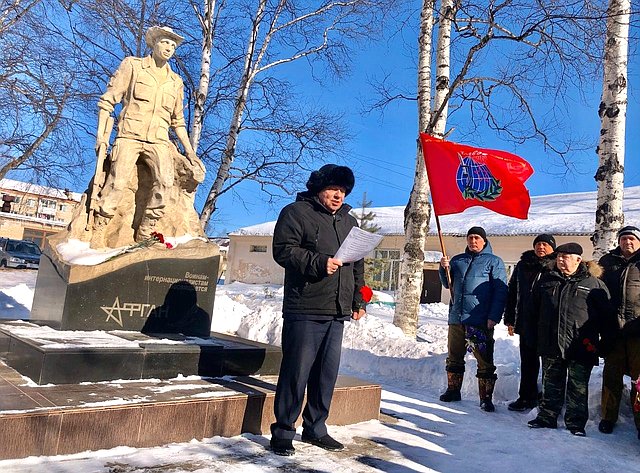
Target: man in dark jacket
[
  {"x": 478, "y": 296},
  {"x": 518, "y": 319},
  {"x": 622, "y": 277},
  {"x": 573, "y": 310},
  {"x": 320, "y": 294}
]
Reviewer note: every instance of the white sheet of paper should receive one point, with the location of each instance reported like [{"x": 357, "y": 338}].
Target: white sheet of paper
[{"x": 358, "y": 244}]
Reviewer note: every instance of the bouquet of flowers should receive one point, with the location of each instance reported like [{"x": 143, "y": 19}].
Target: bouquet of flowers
[
  {"x": 590, "y": 347},
  {"x": 155, "y": 238}
]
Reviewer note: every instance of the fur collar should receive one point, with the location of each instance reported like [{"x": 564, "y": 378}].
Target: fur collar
[{"x": 586, "y": 268}]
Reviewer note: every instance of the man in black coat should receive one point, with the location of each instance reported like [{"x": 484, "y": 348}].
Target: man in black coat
[
  {"x": 518, "y": 317},
  {"x": 622, "y": 277},
  {"x": 320, "y": 294},
  {"x": 574, "y": 312}
]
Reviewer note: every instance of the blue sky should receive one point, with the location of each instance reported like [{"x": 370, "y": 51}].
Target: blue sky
[{"x": 382, "y": 152}]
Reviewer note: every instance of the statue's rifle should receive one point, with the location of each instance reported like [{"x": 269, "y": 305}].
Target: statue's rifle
[{"x": 98, "y": 177}]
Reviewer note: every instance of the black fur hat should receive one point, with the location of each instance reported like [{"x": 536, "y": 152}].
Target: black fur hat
[{"x": 331, "y": 175}]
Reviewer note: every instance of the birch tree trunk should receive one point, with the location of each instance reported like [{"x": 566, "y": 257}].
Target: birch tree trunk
[
  {"x": 418, "y": 210},
  {"x": 236, "y": 120},
  {"x": 613, "y": 113},
  {"x": 206, "y": 22},
  {"x": 438, "y": 120},
  {"x": 305, "y": 33}
]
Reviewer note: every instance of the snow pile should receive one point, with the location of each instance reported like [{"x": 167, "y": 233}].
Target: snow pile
[
  {"x": 416, "y": 432},
  {"x": 78, "y": 252}
]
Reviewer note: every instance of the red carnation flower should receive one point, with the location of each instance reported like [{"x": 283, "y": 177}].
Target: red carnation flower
[
  {"x": 590, "y": 347},
  {"x": 366, "y": 293},
  {"x": 157, "y": 236}
]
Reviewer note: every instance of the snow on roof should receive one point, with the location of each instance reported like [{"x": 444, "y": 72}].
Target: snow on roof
[
  {"x": 39, "y": 190},
  {"x": 559, "y": 214}
]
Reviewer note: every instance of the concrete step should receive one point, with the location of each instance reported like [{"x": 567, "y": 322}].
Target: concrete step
[
  {"x": 46, "y": 355},
  {"x": 70, "y": 418}
]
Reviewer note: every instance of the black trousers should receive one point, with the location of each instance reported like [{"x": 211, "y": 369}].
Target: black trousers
[
  {"x": 529, "y": 369},
  {"x": 310, "y": 359}
]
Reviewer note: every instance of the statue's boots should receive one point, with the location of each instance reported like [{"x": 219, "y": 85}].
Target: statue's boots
[{"x": 148, "y": 224}]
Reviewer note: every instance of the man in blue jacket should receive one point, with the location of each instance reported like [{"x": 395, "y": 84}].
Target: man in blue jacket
[{"x": 478, "y": 297}]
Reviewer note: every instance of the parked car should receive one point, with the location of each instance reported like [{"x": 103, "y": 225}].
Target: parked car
[{"x": 19, "y": 254}]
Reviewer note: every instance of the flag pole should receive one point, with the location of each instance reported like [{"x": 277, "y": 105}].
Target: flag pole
[
  {"x": 444, "y": 253},
  {"x": 442, "y": 247}
]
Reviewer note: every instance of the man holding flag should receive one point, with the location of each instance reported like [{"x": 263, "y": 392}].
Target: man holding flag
[
  {"x": 478, "y": 297},
  {"x": 460, "y": 177}
]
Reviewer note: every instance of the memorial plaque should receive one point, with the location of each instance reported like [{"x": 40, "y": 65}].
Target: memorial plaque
[{"x": 155, "y": 291}]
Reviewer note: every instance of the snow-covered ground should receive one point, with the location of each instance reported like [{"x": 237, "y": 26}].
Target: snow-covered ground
[{"x": 416, "y": 432}]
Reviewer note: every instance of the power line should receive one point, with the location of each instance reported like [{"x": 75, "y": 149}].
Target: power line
[{"x": 376, "y": 162}]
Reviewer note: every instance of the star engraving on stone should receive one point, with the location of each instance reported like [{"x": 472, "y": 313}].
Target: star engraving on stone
[{"x": 109, "y": 310}]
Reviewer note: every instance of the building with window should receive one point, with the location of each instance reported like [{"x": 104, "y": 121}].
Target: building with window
[
  {"x": 569, "y": 217},
  {"x": 32, "y": 212}
]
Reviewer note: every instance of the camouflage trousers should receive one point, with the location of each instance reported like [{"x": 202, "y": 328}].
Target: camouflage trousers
[{"x": 565, "y": 378}]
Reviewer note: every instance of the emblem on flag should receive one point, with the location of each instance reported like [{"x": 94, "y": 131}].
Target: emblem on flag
[{"x": 475, "y": 180}]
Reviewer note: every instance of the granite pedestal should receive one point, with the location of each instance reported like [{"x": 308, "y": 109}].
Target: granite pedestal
[
  {"x": 46, "y": 355},
  {"x": 70, "y": 418},
  {"x": 151, "y": 290}
]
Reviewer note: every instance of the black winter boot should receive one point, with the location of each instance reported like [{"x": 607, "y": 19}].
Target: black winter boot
[
  {"x": 485, "y": 389},
  {"x": 454, "y": 384}
]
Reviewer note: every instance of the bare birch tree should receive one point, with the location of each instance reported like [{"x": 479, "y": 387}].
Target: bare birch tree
[
  {"x": 13, "y": 11},
  {"x": 35, "y": 89},
  {"x": 284, "y": 32},
  {"x": 207, "y": 19},
  {"x": 418, "y": 211},
  {"x": 613, "y": 114},
  {"x": 531, "y": 37}
]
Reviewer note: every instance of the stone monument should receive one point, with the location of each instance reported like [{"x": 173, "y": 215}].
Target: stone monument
[
  {"x": 144, "y": 184},
  {"x": 142, "y": 192}
]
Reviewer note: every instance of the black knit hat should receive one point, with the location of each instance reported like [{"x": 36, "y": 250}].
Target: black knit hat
[
  {"x": 570, "y": 249},
  {"x": 478, "y": 231},
  {"x": 546, "y": 238},
  {"x": 629, "y": 230},
  {"x": 331, "y": 175}
]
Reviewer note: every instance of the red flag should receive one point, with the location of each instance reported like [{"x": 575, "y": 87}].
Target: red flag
[{"x": 462, "y": 176}]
